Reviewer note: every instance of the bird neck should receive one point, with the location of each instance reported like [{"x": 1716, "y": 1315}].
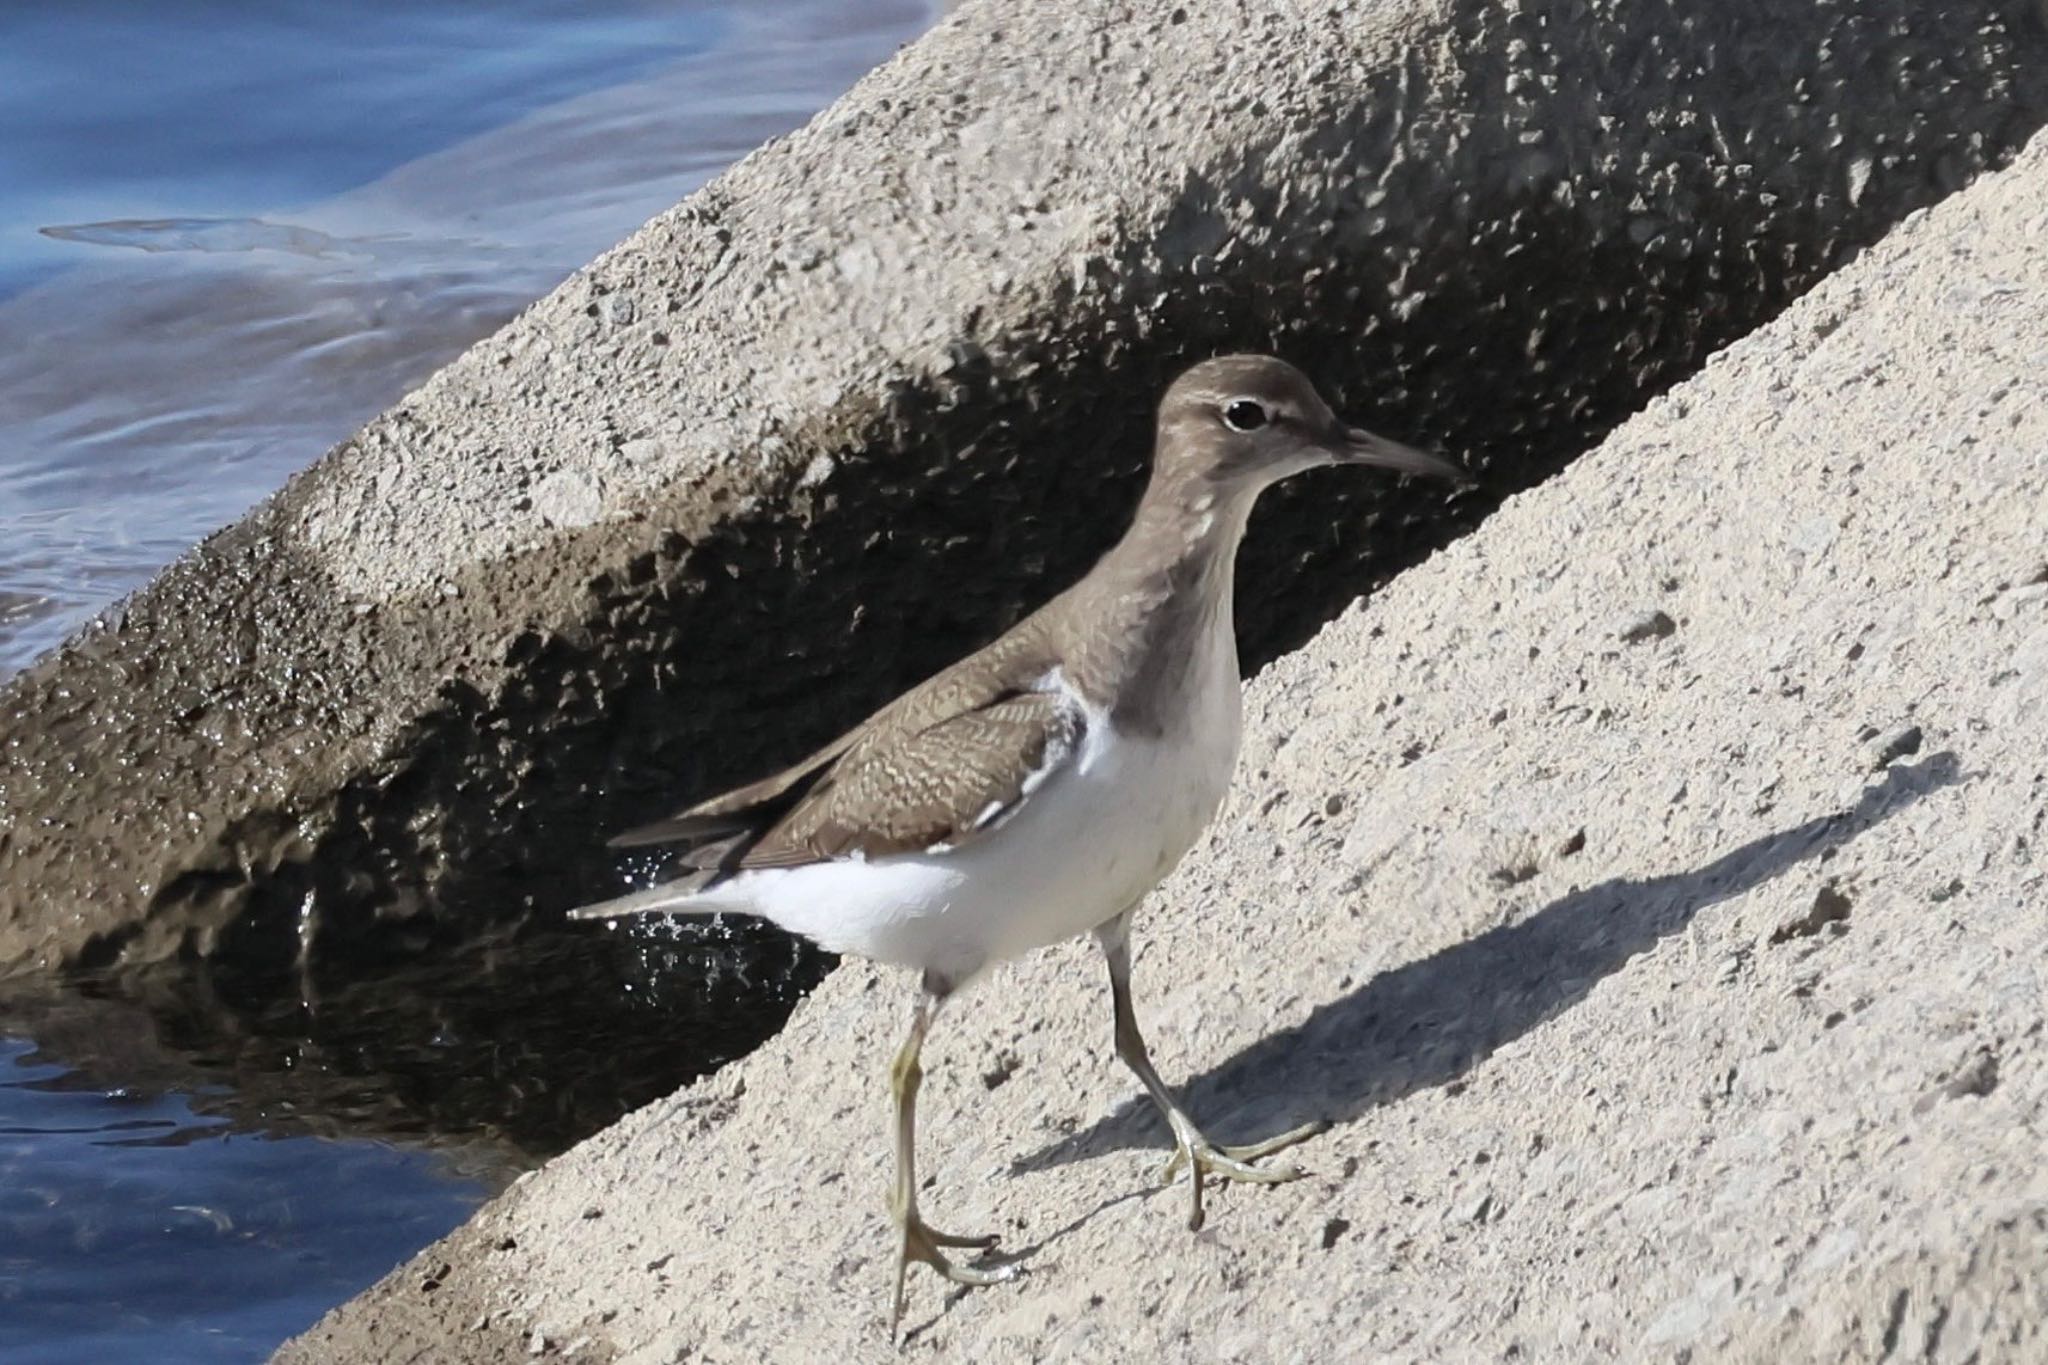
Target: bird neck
[{"x": 1159, "y": 629}]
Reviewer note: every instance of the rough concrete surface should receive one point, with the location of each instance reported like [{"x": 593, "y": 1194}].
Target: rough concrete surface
[
  {"x": 1649, "y": 887},
  {"x": 860, "y": 402}
]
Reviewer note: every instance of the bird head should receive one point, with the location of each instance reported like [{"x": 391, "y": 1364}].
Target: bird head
[{"x": 1245, "y": 422}]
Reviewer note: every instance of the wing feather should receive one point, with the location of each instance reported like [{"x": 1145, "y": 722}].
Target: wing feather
[
  {"x": 737, "y": 811},
  {"x": 939, "y": 787},
  {"x": 944, "y": 763}
]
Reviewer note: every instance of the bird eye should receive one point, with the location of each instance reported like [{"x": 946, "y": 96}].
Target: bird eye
[{"x": 1244, "y": 415}]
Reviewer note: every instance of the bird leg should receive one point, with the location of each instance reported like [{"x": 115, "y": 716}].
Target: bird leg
[
  {"x": 922, "y": 1242},
  {"x": 1190, "y": 1148}
]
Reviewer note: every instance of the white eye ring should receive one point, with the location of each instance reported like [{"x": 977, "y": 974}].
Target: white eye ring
[{"x": 1242, "y": 414}]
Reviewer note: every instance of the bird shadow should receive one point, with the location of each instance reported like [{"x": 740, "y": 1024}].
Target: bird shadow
[{"x": 1428, "y": 1022}]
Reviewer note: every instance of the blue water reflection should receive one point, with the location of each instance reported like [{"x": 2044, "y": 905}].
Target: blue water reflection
[
  {"x": 124, "y": 109},
  {"x": 133, "y": 1228}
]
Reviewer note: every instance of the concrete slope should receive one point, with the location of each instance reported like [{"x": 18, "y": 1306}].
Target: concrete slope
[
  {"x": 860, "y": 402},
  {"x": 1649, "y": 887}
]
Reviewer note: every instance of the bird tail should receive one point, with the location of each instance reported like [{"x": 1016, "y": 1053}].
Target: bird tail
[{"x": 679, "y": 897}]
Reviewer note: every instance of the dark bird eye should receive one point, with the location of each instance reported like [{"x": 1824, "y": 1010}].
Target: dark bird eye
[{"x": 1244, "y": 415}]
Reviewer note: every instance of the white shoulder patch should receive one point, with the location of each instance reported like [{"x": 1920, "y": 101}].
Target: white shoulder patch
[{"x": 1075, "y": 721}]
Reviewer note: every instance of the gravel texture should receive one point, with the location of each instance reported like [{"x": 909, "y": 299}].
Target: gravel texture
[
  {"x": 850, "y": 409},
  {"x": 1649, "y": 887}
]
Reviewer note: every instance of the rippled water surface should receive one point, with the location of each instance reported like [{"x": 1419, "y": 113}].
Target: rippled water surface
[
  {"x": 134, "y": 1227},
  {"x": 229, "y": 233}
]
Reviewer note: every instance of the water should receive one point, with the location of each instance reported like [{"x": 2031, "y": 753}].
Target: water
[
  {"x": 229, "y": 233},
  {"x": 135, "y": 1227}
]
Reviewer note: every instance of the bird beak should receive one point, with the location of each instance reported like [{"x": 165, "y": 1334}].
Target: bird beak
[{"x": 1362, "y": 447}]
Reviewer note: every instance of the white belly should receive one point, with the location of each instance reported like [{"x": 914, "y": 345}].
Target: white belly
[{"x": 1087, "y": 845}]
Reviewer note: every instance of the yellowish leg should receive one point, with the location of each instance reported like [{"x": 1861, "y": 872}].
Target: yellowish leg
[
  {"x": 1202, "y": 1157},
  {"x": 921, "y": 1242}
]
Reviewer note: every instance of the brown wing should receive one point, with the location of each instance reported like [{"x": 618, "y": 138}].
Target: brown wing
[
  {"x": 930, "y": 789},
  {"x": 889, "y": 791},
  {"x": 729, "y": 826},
  {"x": 740, "y": 808}
]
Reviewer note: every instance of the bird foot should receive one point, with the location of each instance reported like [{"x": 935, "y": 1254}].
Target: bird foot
[
  {"x": 922, "y": 1242},
  {"x": 1204, "y": 1158}
]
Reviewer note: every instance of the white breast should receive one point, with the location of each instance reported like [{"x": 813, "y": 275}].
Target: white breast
[{"x": 1089, "y": 843}]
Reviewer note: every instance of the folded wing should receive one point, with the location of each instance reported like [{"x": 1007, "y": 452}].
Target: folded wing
[
  {"x": 938, "y": 768},
  {"x": 931, "y": 790}
]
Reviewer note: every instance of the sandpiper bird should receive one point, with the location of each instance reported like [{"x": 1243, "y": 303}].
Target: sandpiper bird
[{"x": 1039, "y": 788}]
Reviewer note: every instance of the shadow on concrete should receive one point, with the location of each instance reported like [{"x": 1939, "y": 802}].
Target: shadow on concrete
[{"x": 1427, "y": 1023}]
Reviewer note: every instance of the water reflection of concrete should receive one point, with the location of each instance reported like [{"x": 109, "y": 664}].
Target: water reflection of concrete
[
  {"x": 497, "y": 1053},
  {"x": 147, "y": 396}
]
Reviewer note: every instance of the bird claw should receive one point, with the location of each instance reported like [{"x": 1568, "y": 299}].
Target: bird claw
[
  {"x": 1204, "y": 1158},
  {"x": 930, "y": 1237},
  {"x": 922, "y": 1242}
]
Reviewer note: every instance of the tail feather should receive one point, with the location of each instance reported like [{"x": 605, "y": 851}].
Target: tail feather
[
  {"x": 679, "y": 829},
  {"x": 670, "y": 898}
]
